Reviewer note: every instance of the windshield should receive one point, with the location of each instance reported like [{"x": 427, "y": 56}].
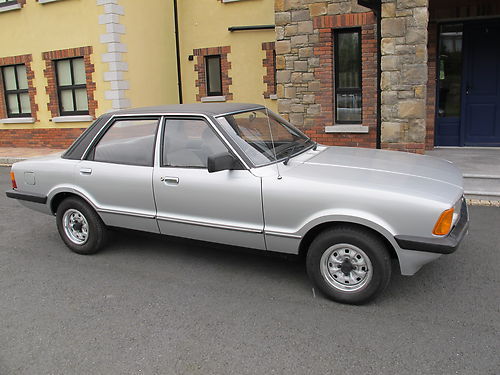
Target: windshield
[{"x": 263, "y": 136}]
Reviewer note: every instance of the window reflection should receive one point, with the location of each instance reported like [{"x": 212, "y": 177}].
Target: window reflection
[{"x": 450, "y": 70}]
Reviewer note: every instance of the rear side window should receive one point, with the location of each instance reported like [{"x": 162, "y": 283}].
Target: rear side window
[{"x": 128, "y": 142}]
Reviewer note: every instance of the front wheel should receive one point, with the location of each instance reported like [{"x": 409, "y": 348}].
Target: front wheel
[
  {"x": 349, "y": 265},
  {"x": 79, "y": 226}
]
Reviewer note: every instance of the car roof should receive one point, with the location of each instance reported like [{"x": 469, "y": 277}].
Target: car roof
[
  {"x": 210, "y": 109},
  {"x": 78, "y": 148}
]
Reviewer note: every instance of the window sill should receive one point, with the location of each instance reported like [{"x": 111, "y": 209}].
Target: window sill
[
  {"x": 273, "y": 97},
  {"x": 347, "y": 129},
  {"x": 208, "y": 99},
  {"x": 17, "y": 120},
  {"x": 46, "y": 1},
  {"x": 72, "y": 118},
  {"x": 10, "y": 7}
]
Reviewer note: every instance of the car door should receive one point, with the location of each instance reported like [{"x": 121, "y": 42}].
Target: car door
[
  {"x": 116, "y": 175},
  {"x": 223, "y": 207}
]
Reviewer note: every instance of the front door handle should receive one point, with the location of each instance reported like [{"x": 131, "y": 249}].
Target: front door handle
[
  {"x": 86, "y": 171},
  {"x": 170, "y": 180}
]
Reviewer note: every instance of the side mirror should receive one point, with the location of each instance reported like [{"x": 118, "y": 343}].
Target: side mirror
[{"x": 222, "y": 162}]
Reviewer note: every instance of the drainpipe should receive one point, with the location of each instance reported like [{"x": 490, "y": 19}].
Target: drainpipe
[
  {"x": 177, "y": 51},
  {"x": 378, "y": 13},
  {"x": 376, "y": 7}
]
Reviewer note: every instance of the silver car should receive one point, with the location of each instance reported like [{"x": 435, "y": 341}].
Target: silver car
[{"x": 241, "y": 175}]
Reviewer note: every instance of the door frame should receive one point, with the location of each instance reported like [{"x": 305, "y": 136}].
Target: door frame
[{"x": 463, "y": 83}]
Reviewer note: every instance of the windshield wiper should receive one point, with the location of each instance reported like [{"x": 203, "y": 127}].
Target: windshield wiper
[{"x": 292, "y": 149}]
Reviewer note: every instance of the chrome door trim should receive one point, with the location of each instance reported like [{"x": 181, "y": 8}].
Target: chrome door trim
[
  {"x": 281, "y": 234},
  {"x": 209, "y": 225},
  {"x": 125, "y": 213}
]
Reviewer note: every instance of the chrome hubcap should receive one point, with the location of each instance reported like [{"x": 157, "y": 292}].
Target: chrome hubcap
[
  {"x": 75, "y": 226},
  {"x": 346, "y": 267}
]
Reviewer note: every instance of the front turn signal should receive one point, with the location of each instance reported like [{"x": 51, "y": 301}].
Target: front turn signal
[
  {"x": 443, "y": 225},
  {"x": 13, "y": 180}
]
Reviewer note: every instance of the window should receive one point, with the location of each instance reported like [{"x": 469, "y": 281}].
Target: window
[
  {"x": 4, "y": 3},
  {"x": 71, "y": 87},
  {"x": 450, "y": 70},
  {"x": 188, "y": 143},
  {"x": 128, "y": 142},
  {"x": 348, "y": 76},
  {"x": 15, "y": 84},
  {"x": 214, "y": 75}
]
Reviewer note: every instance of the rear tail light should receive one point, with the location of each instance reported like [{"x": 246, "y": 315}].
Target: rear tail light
[
  {"x": 13, "y": 180},
  {"x": 443, "y": 225}
]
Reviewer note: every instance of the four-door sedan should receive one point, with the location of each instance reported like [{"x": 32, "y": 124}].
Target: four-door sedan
[{"x": 238, "y": 174}]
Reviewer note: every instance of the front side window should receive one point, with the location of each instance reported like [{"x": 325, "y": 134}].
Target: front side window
[
  {"x": 187, "y": 143},
  {"x": 72, "y": 87},
  {"x": 15, "y": 84},
  {"x": 128, "y": 142},
  {"x": 214, "y": 75},
  {"x": 348, "y": 76},
  {"x": 263, "y": 137}
]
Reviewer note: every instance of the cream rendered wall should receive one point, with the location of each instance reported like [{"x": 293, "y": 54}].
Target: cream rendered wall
[
  {"x": 37, "y": 28},
  {"x": 204, "y": 23},
  {"x": 150, "y": 40}
]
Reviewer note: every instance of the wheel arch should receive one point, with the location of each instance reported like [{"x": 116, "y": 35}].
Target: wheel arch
[
  {"x": 60, "y": 196},
  {"x": 313, "y": 232}
]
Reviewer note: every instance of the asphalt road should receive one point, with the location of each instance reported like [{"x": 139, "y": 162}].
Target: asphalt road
[{"x": 152, "y": 305}]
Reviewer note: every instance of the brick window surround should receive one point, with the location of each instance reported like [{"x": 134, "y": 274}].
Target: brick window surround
[
  {"x": 270, "y": 64},
  {"x": 201, "y": 82},
  {"x": 17, "y": 60},
  {"x": 324, "y": 73},
  {"x": 50, "y": 75}
]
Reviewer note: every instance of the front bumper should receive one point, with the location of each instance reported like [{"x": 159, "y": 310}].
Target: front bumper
[{"x": 439, "y": 245}]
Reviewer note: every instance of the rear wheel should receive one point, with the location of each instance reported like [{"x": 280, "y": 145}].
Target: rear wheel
[
  {"x": 349, "y": 265},
  {"x": 79, "y": 226}
]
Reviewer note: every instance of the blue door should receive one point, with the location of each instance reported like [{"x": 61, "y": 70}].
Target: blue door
[
  {"x": 468, "y": 106},
  {"x": 481, "y": 85}
]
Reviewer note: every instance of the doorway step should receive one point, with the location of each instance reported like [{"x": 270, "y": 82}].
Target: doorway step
[{"x": 480, "y": 167}]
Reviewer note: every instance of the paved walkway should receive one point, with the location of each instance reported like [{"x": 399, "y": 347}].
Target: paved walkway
[
  {"x": 471, "y": 160},
  {"x": 9, "y": 155}
]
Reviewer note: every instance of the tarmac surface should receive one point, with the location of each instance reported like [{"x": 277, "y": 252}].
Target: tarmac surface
[{"x": 155, "y": 305}]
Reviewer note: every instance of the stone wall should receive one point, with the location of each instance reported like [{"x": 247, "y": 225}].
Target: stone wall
[
  {"x": 304, "y": 62},
  {"x": 404, "y": 74}
]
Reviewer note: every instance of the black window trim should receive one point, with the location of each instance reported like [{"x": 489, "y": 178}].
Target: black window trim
[
  {"x": 89, "y": 155},
  {"x": 352, "y": 90},
  {"x": 8, "y": 3},
  {"x": 71, "y": 88},
  {"x": 207, "y": 76},
  {"x": 17, "y": 92},
  {"x": 188, "y": 117}
]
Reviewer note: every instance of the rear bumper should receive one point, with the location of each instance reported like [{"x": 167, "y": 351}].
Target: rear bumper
[
  {"x": 29, "y": 197},
  {"x": 439, "y": 245}
]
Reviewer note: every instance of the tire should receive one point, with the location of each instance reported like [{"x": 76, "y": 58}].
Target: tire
[
  {"x": 80, "y": 227},
  {"x": 349, "y": 265}
]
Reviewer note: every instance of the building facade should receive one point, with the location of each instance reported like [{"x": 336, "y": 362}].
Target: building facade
[
  {"x": 393, "y": 74},
  {"x": 65, "y": 62}
]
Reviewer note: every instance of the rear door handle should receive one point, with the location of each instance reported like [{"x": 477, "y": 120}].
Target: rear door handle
[
  {"x": 170, "y": 180},
  {"x": 86, "y": 171}
]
